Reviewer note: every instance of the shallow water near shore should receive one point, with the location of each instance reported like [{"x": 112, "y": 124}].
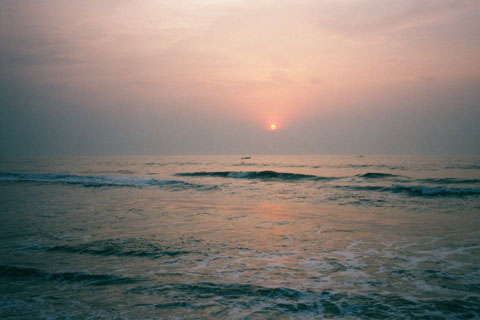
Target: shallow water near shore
[{"x": 284, "y": 237}]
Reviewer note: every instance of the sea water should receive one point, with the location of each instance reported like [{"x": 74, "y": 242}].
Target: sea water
[{"x": 279, "y": 237}]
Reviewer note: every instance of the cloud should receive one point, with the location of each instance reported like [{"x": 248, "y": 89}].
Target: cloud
[
  {"x": 244, "y": 61},
  {"x": 374, "y": 17}
]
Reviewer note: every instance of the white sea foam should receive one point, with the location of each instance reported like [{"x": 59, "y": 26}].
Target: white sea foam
[
  {"x": 271, "y": 243},
  {"x": 96, "y": 181}
]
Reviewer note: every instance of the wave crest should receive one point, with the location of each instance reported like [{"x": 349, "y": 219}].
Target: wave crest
[
  {"x": 87, "y": 278},
  {"x": 119, "y": 247},
  {"x": 377, "y": 175},
  {"x": 99, "y": 181},
  {"x": 420, "y": 190},
  {"x": 261, "y": 175},
  {"x": 451, "y": 181},
  {"x": 427, "y": 191}
]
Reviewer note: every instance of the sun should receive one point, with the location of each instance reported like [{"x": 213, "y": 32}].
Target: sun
[{"x": 273, "y": 127}]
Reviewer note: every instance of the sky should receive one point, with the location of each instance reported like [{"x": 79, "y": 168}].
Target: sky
[{"x": 211, "y": 76}]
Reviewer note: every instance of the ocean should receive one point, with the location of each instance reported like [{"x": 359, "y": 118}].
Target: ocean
[{"x": 233, "y": 237}]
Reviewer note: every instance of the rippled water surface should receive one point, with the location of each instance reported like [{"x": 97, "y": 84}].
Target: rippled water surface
[{"x": 279, "y": 237}]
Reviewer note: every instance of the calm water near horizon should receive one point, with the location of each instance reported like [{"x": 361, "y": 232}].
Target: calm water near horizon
[{"x": 221, "y": 237}]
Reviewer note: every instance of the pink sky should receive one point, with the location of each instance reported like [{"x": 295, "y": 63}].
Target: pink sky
[{"x": 255, "y": 61}]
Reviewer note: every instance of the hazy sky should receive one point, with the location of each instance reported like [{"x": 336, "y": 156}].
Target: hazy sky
[{"x": 192, "y": 76}]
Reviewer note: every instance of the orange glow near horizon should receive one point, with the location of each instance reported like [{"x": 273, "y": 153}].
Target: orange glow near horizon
[{"x": 273, "y": 72}]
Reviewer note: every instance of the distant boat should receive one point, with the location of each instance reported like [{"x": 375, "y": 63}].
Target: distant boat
[{"x": 246, "y": 157}]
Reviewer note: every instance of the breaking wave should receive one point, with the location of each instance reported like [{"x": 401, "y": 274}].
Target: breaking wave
[
  {"x": 377, "y": 175},
  {"x": 120, "y": 247},
  {"x": 420, "y": 190},
  {"x": 451, "y": 181},
  {"x": 98, "y": 181},
  {"x": 14, "y": 272},
  {"x": 261, "y": 175},
  {"x": 257, "y": 301},
  {"x": 224, "y": 290}
]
